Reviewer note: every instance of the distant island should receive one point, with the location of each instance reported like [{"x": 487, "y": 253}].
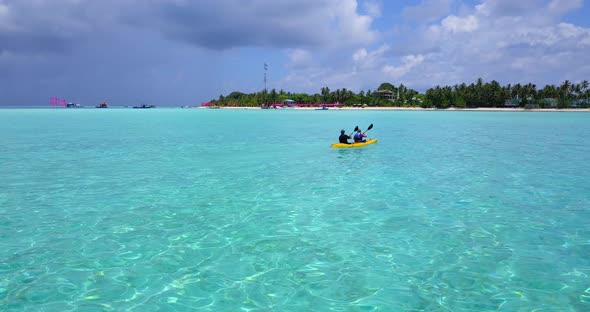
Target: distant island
[{"x": 475, "y": 95}]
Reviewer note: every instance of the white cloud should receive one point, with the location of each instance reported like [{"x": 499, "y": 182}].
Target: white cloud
[
  {"x": 455, "y": 24},
  {"x": 408, "y": 63},
  {"x": 564, "y": 34},
  {"x": 509, "y": 41},
  {"x": 359, "y": 55},
  {"x": 281, "y": 24},
  {"x": 6, "y": 23},
  {"x": 332, "y": 69},
  {"x": 500, "y": 8},
  {"x": 299, "y": 57},
  {"x": 3, "y": 11},
  {"x": 364, "y": 60},
  {"x": 563, "y": 6},
  {"x": 353, "y": 28},
  {"x": 373, "y": 8}
]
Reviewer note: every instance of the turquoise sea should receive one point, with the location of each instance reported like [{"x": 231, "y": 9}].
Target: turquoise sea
[{"x": 236, "y": 210}]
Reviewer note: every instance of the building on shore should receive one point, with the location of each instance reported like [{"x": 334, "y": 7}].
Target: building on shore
[
  {"x": 549, "y": 102},
  {"x": 582, "y": 103},
  {"x": 515, "y": 102},
  {"x": 385, "y": 94}
]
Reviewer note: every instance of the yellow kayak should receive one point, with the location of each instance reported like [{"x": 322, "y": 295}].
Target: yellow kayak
[{"x": 342, "y": 145}]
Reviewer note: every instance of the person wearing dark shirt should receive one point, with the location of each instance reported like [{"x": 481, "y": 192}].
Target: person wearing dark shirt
[{"x": 343, "y": 137}]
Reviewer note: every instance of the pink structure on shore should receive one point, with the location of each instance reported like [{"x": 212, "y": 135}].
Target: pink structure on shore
[
  {"x": 305, "y": 104},
  {"x": 315, "y": 104},
  {"x": 54, "y": 101}
]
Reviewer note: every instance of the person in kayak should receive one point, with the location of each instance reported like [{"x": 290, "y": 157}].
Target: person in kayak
[
  {"x": 343, "y": 137},
  {"x": 358, "y": 136}
]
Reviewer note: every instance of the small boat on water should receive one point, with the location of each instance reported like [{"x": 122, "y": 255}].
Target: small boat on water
[
  {"x": 145, "y": 106},
  {"x": 73, "y": 105},
  {"x": 323, "y": 108},
  {"x": 103, "y": 105},
  {"x": 353, "y": 145}
]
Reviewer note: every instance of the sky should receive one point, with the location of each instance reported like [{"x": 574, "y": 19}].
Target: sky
[{"x": 184, "y": 52}]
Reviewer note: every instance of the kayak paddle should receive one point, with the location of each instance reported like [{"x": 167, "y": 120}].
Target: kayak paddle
[
  {"x": 369, "y": 128},
  {"x": 353, "y": 131}
]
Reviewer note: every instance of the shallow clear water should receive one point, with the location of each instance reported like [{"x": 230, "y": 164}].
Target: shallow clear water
[{"x": 183, "y": 209}]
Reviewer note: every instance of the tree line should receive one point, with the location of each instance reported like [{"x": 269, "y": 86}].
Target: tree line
[
  {"x": 477, "y": 94},
  {"x": 492, "y": 94}
]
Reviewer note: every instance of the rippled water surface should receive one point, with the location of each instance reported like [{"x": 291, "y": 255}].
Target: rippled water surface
[{"x": 220, "y": 210}]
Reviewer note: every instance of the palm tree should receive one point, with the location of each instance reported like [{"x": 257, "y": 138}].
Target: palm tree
[
  {"x": 325, "y": 94},
  {"x": 530, "y": 91},
  {"x": 584, "y": 90},
  {"x": 565, "y": 95},
  {"x": 273, "y": 96},
  {"x": 495, "y": 96},
  {"x": 549, "y": 91},
  {"x": 337, "y": 95},
  {"x": 564, "y": 89},
  {"x": 401, "y": 94}
]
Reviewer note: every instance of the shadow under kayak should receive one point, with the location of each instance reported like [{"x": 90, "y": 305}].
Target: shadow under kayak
[{"x": 353, "y": 145}]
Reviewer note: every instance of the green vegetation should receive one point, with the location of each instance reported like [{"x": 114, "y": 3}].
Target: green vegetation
[{"x": 478, "y": 94}]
